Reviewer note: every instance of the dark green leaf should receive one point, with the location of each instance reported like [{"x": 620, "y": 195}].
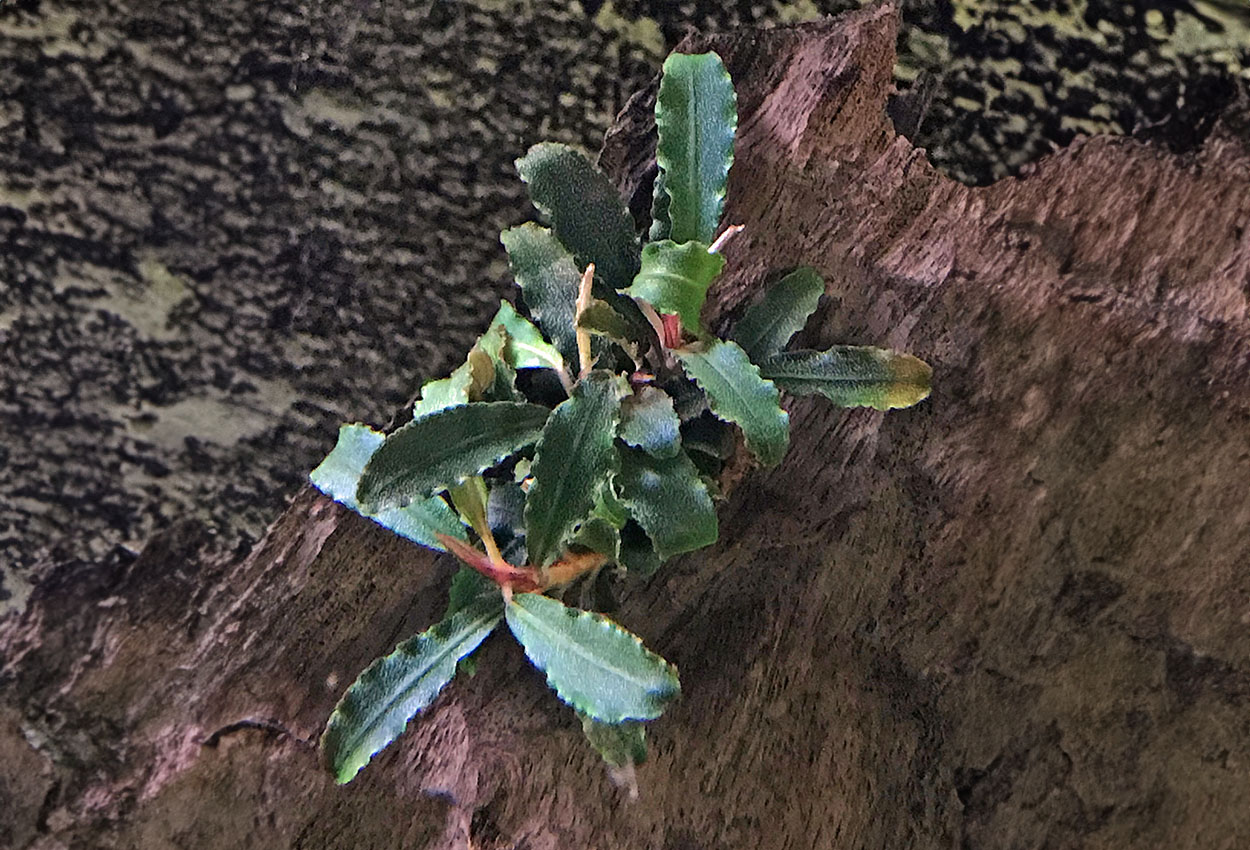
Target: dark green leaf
[
  {"x": 574, "y": 457},
  {"x": 525, "y": 347},
  {"x": 600, "y": 319},
  {"x": 444, "y": 448},
  {"x": 767, "y": 326},
  {"x": 852, "y": 376},
  {"x": 696, "y": 115},
  {"x": 378, "y": 706},
  {"x": 737, "y": 393},
  {"x": 638, "y": 554},
  {"x": 669, "y": 501},
  {"x": 585, "y": 210},
  {"x": 619, "y": 744},
  {"x": 675, "y": 278},
  {"x": 649, "y": 422},
  {"x": 505, "y": 509},
  {"x": 609, "y": 507},
  {"x": 592, "y": 663},
  {"x": 599, "y": 535},
  {"x": 339, "y": 474},
  {"x": 549, "y": 280},
  {"x": 467, "y": 586}
]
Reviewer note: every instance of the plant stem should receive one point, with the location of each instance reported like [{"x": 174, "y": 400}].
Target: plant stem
[
  {"x": 726, "y": 234},
  {"x": 583, "y": 335}
]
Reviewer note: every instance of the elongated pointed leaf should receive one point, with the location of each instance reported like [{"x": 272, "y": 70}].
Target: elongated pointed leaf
[
  {"x": 767, "y": 326},
  {"x": 444, "y": 448},
  {"x": 649, "y": 422},
  {"x": 619, "y": 744},
  {"x": 525, "y": 347},
  {"x": 378, "y": 706},
  {"x": 737, "y": 393},
  {"x": 586, "y": 212},
  {"x": 592, "y": 663},
  {"x": 696, "y": 115},
  {"x": 852, "y": 376},
  {"x": 675, "y": 278},
  {"x": 548, "y": 277},
  {"x": 338, "y": 475},
  {"x": 669, "y": 500},
  {"x": 574, "y": 456}
]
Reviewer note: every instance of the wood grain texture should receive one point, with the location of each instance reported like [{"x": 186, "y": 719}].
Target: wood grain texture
[{"x": 1014, "y": 616}]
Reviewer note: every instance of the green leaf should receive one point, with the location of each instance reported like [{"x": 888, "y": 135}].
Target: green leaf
[
  {"x": 609, "y": 507},
  {"x": 574, "y": 456},
  {"x": 737, "y": 393},
  {"x": 599, "y": 535},
  {"x": 661, "y": 225},
  {"x": 600, "y": 319},
  {"x": 767, "y": 326},
  {"x": 638, "y": 555},
  {"x": 669, "y": 500},
  {"x": 467, "y": 587},
  {"x": 675, "y": 278},
  {"x": 696, "y": 115},
  {"x": 852, "y": 376},
  {"x": 549, "y": 280},
  {"x": 338, "y": 475},
  {"x": 444, "y": 448},
  {"x": 477, "y": 379},
  {"x": 619, "y": 744},
  {"x": 592, "y": 663},
  {"x": 649, "y": 422},
  {"x": 587, "y": 213},
  {"x": 378, "y": 706},
  {"x": 525, "y": 347}
]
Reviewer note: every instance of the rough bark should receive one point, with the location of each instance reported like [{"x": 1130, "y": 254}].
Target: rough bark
[{"x": 1010, "y": 617}]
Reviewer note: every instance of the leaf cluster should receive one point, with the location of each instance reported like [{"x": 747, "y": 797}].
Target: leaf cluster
[{"x": 580, "y": 441}]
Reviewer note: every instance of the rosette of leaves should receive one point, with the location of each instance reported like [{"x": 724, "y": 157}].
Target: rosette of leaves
[{"x": 580, "y": 441}]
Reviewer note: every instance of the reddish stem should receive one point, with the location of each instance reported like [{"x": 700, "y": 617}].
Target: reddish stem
[{"x": 672, "y": 330}]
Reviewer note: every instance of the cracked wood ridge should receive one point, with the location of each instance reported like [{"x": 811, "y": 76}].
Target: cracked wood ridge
[{"x": 1014, "y": 616}]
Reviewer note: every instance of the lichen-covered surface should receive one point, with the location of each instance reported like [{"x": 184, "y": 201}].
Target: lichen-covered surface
[
  {"x": 225, "y": 227},
  {"x": 1011, "y": 617}
]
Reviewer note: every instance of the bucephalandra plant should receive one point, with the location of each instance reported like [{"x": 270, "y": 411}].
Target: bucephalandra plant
[{"x": 582, "y": 439}]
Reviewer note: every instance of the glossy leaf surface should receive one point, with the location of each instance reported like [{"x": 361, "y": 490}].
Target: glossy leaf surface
[
  {"x": 737, "y": 393},
  {"x": 592, "y": 663},
  {"x": 377, "y": 707},
  {"x": 586, "y": 212},
  {"x": 696, "y": 115},
  {"x": 444, "y": 448},
  {"x": 674, "y": 278},
  {"x": 525, "y": 347},
  {"x": 338, "y": 475},
  {"x": 574, "y": 457},
  {"x": 767, "y": 326},
  {"x": 669, "y": 500},
  {"x": 852, "y": 376}
]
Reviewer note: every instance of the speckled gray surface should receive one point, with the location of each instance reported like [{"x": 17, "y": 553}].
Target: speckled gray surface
[{"x": 227, "y": 227}]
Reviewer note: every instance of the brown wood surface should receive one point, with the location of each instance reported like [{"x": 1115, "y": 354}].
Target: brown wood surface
[{"x": 1017, "y": 616}]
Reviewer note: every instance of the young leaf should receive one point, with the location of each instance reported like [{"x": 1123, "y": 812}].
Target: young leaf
[
  {"x": 737, "y": 393},
  {"x": 338, "y": 475},
  {"x": 585, "y": 210},
  {"x": 592, "y": 663},
  {"x": 767, "y": 326},
  {"x": 619, "y": 744},
  {"x": 444, "y": 448},
  {"x": 669, "y": 500},
  {"x": 378, "y": 706},
  {"x": 478, "y": 378},
  {"x": 696, "y": 115},
  {"x": 574, "y": 456},
  {"x": 649, "y": 422},
  {"x": 852, "y": 376},
  {"x": 600, "y": 319},
  {"x": 525, "y": 347},
  {"x": 675, "y": 278},
  {"x": 548, "y": 278}
]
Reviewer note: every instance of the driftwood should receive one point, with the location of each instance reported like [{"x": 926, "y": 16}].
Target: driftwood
[{"x": 1015, "y": 616}]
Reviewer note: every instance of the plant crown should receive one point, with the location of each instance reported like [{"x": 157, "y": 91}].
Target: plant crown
[{"x": 582, "y": 438}]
